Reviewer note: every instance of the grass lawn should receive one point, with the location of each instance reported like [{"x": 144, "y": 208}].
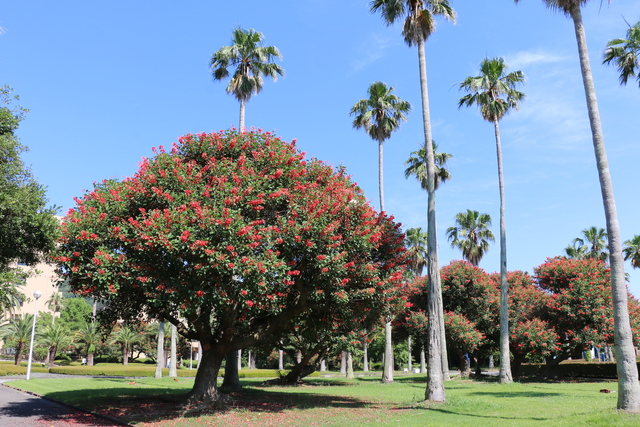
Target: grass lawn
[{"x": 339, "y": 402}]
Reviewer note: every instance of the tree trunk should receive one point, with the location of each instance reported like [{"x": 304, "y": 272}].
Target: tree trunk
[
  {"x": 231, "y": 381},
  {"x": 365, "y": 357},
  {"x": 205, "y": 386},
  {"x": 423, "y": 360},
  {"x": 465, "y": 364},
  {"x": 280, "y": 360},
  {"x": 90, "y": 359},
  {"x": 239, "y": 360},
  {"x": 443, "y": 346},
  {"x": 491, "y": 363},
  {"x": 505, "y": 358},
  {"x": 628, "y": 387},
  {"x": 323, "y": 365},
  {"x": 242, "y": 108},
  {"x": 409, "y": 364},
  {"x": 125, "y": 355},
  {"x": 343, "y": 363},
  {"x": 435, "y": 380},
  {"x": 160, "y": 351},
  {"x": 387, "y": 368},
  {"x": 173, "y": 369},
  {"x": 350, "y": 374},
  {"x": 51, "y": 353}
]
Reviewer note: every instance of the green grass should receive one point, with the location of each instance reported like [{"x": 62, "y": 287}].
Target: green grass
[{"x": 338, "y": 402}]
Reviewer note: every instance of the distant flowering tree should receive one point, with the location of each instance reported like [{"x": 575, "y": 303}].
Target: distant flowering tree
[{"x": 232, "y": 237}]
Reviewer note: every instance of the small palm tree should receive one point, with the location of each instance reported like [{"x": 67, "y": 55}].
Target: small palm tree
[
  {"x": 252, "y": 62},
  {"x": 628, "y": 386},
  {"x": 419, "y": 23},
  {"x": 88, "y": 334},
  {"x": 593, "y": 245},
  {"x": 53, "y": 337},
  {"x": 55, "y": 303},
  {"x": 11, "y": 282},
  {"x": 380, "y": 115},
  {"x": 471, "y": 235},
  {"x": 417, "y": 166},
  {"x": 632, "y": 251},
  {"x": 416, "y": 243},
  {"x": 18, "y": 332},
  {"x": 623, "y": 53},
  {"x": 126, "y": 336}
]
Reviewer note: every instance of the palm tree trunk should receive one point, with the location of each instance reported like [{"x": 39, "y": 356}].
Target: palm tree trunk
[
  {"x": 160, "y": 351},
  {"x": 365, "y": 357},
  {"x": 505, "y": 358},
  {"x": 387, "y": 368},
  {"x": 628, "y": 387},
  {"x": 242, "y": 108},
  {"x": 435, "y": 381},
  {"x": 350, "y": 373},
  {"x": 173, "y": 369}
]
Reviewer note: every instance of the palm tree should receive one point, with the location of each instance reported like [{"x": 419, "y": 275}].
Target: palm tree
[
  {"x": 624, "y": 54},
  {"x": 10, "y": 296},
  {"x": 54, "y": 336},
  {"x": 380, "y": 115},
  {"x": 593, "y": 245},
  {"x": 126, "y": 336},
  {"x": 471, "y": 235},
  {"x": 89, "y": 335},
  {"x": 417, "y": 166},
  {"x": 632, "y": 251},
  {"x": 416, "y": 244},
  {"x": 494, "y": 92},
  {"x": 628, "y": 386},
  {"x": 252, "y": 62},
  {"x": 18, "y": 332},
  {"x": 419, "y": 24},
  {"x": 55, "y": 304},
  {"x": 576, "y": 249}
]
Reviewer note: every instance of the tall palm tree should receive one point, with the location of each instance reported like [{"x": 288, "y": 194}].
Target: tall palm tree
[
  {"x": 380, "y": 115},
  {"x": 494, "y": 93},
  {"x": 632, "y": 251},
  {"x": 252, "y": 62},
  {"x": 471, "y": 235},
  {"x": 18, "y": 332},
  {"x": 53, "y": 337},
  {"x": 88, "y": 334},
  {"x": 628, "y": 386},
  {"x": 623, "y": 53},
  {"x": 55, "y": 303},
  {"x": 417, "y": 166},
  {"x": 126, "y": 336},
  {"x": 416, "y": 243},
  {"x": 419, "y": 24}
]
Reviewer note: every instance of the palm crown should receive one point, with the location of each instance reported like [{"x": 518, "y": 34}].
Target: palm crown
[
  {"x": 381, "y": 113},
  {"x": 623, "y": 53},
  {"x": 417, "y": 166},
  {"x": 493, "y": 91},
  {"x": 419, "y": 16},
  {"x": 471, "y": 235}
]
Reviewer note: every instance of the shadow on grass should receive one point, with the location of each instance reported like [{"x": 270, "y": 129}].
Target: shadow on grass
[{"x": 150, "y": 404}]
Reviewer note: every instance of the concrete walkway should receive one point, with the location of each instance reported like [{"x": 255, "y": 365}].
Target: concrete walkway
[{"x": 20, "y": 409}]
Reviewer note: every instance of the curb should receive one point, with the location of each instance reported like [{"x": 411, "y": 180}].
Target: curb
[{"x": 75, "y": 408}]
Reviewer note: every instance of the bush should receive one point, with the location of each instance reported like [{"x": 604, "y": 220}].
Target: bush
[
  {"x": 11, "y": 369},
  {"x": 572, "y": 369}
]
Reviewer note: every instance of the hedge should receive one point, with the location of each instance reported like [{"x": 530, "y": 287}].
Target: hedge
[
  {"x": 12, "y": 369},
  {"x": 572, "y": 369}
]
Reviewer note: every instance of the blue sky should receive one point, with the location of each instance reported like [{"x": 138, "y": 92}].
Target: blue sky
[{"x": 106, "y": 81}]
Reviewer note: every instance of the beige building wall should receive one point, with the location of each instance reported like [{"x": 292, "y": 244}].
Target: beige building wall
[{"x": 42, "y": 278}]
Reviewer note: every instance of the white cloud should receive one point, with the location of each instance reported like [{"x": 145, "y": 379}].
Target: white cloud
[
  {"x": 370, "y": 51},
  {"x": 526, "y": 58}
]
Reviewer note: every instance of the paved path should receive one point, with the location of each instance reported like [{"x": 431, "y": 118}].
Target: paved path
[{"x": 19, "y": 409}]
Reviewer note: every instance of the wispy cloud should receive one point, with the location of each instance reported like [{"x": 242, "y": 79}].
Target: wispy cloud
[
  {"x": 370, "y": 51},
  {"x": 525, "y": 58}
]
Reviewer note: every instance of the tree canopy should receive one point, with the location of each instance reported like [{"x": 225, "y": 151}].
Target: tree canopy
[{"x": 231, "y": 237}]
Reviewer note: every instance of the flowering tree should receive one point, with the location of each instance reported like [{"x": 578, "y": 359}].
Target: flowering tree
[
  {"x": 579, "y": 305},
  {"x": 231, "y": 237}
]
